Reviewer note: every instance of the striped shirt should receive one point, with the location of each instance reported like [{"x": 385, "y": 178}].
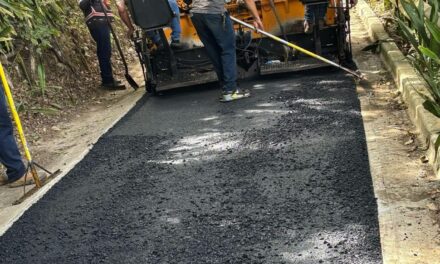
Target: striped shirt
[{"x": 93, "y": 10}]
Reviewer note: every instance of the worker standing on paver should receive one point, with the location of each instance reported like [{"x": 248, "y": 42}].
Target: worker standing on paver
[
  {"x": 312, "y": 10},
  {"x": 176, "y": 29},
  {"x": 214, "y": 27},
  {"x": 319, "y": 10},
  {"x": 9, "y": 154}
]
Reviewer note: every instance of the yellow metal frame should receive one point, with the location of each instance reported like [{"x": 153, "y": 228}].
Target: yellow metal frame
[
  {"x": 17, "y": 121},
  {"x": 290, "y": 12}
]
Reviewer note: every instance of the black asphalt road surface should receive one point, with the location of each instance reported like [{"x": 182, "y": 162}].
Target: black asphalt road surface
[{"x": 281, "y": 177}]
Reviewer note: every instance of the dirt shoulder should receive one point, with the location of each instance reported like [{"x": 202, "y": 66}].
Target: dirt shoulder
[{"x": 62, "y": 144}]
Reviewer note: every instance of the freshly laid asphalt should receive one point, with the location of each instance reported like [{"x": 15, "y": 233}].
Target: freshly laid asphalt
[{"x": 281, "y": 177}]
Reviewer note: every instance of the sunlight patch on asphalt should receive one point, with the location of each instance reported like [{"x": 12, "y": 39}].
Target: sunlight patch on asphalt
[
  {"x": 326, "y": 82},
  {"x": 322, "y": 247},
  {"x": 259, "y": 86},
  {"x": 173, "y": 220},
  {"x": 268, "y": 111},
  {"x": 266, "y": 105},
  {"x": 200, "y": 147},
  {"x": 210, "y": 118}
]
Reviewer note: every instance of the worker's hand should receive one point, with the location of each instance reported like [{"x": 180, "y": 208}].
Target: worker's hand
[
  {"x": 130, "y": 32},
  {"x": 258, "y": 24},
  {"x": 106, "y": 3}
]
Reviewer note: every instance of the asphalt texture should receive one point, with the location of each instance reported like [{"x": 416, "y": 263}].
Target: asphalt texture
[{"x": 281, "y": 177}]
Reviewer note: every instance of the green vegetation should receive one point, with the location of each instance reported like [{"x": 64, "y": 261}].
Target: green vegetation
[
  {"x": 32, "y": 21},
  {"x": 423, "y": 33},
  {"x": 45, "y": 46}
]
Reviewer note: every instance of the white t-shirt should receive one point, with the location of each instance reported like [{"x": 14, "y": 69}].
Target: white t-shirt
[{"x": 208, "y": 6}]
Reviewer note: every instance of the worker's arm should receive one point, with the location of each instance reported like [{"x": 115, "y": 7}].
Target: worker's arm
[
  {"x": 253, "y": 9},
  {"x": 123, "y": 13}
]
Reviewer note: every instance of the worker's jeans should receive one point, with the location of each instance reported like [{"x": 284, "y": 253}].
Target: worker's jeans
[
  {"x": 101, "y": 34},
  {"x": 176, "y": 29},
  {"x": 319, "y": 10},
  {"x": 217, "y": 35},
  {"x": 175, "y": 23},
  {"x": 9, "y": 155}
]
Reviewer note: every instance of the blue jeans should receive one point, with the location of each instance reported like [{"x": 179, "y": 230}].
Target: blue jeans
[
  {"x": 217, "y": 35},
  {"x": 175, "y": 24},
  {"x": 9, "y": 154},
  {"x": 319, "y": 9},
  {"x": 100, "y": 32}
]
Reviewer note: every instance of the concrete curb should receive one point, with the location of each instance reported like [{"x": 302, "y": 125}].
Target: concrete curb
[{"x": 408, "y": 81}]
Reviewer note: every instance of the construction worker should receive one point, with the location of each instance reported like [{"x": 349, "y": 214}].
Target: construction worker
[
  {"x": 100, "y": 31},
  {"x": 214, "y": 27},
  {"x": 175, "y": 29},
  {"x": 319, "y": 10},
  {"x": 125, "y": 17},
  {"x": 9, "y": 154},
  {"x": 312, "y": 10}
]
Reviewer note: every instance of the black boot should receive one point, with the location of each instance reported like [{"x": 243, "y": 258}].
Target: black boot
[
  {"x": 115, "y": 85},
  {"x": 175, "y": 44}
]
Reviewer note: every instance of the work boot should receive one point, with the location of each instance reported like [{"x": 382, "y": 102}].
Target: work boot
[
  {"x": 26, "y": 179},
  {"x": 159, "y": 46},
  {"x": 308, "y": 27},
  {"x": 237, "y": 94},
  {"x": 175, "y": 44},
  {"x": 3, "y": 181},
  {"x": 321, "y": 23},
  {"x": 115, "y": 85}
]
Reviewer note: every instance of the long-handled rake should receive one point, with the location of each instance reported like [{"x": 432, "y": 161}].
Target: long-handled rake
[{"x": 291, "y": 45}]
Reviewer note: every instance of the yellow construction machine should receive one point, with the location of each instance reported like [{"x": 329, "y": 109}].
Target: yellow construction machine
[{"x": 169, "y": 68}]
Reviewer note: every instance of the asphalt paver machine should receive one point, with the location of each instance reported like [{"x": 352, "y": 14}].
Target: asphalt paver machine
[{"x": 167, "y": 68}]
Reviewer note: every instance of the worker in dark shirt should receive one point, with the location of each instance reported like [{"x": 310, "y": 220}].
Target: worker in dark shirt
[{"x": 100, "y": 31}]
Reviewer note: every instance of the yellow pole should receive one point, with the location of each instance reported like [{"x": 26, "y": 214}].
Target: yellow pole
[{"x": 14, "y": 113}]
